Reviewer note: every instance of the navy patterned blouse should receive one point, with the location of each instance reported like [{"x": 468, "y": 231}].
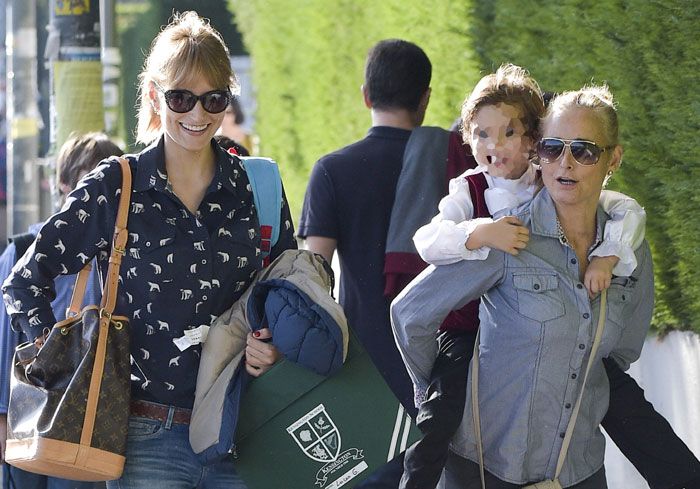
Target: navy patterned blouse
[{"x": 180, "y": 271}]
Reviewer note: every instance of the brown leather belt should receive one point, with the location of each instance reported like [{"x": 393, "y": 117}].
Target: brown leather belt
[{"x": 159, "y": 412}]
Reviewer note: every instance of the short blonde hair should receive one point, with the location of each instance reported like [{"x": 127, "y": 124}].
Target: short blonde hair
[
  {"x": 187, "y": 47},
  {"x": 511, "y": 85},
  {"x": 596, "y": 97}
]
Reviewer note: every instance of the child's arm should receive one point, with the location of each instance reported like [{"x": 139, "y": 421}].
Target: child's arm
[
  {"x": 506, "y": 234},
  {"x": 624, "y": 232},
  {"x": 441, "y": 241},
  {"x": 453, "y": 235}
]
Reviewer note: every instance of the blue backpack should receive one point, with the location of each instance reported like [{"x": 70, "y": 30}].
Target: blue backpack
[{"x": 266, "y": 184}]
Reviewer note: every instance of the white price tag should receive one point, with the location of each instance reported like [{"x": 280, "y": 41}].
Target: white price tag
[{"x": 192, "y": 337}]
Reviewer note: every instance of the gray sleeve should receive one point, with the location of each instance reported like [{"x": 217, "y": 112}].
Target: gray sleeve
[
  {"x": 418, "y": 311},
  {"x": 637, "y": 311}
]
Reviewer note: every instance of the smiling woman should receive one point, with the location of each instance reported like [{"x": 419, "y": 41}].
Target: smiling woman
[{"x": 191, "y": 209}]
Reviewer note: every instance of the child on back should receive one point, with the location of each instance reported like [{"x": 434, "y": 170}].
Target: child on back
[{"x": 500, "y": 123}]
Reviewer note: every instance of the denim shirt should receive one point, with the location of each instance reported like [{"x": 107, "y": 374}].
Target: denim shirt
[
  {"x": 537, "y": 328},
  {"x": 180, "y": 271}
]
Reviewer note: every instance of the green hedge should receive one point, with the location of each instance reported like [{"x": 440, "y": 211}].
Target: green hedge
[
  {"x": 308, "y": 67},
  {"x": 308, "y": 64},
  {"x": 648, "y": 53}
]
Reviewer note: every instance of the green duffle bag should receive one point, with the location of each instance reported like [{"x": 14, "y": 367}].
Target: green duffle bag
[{"x": 300, "y": 430}]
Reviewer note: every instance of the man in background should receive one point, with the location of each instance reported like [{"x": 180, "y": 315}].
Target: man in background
[{"x": 348, "y": 206}]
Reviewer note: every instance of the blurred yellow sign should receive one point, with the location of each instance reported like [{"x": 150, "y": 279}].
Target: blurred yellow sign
[
  {"x": 72, "y": 7},
  {"x": 23, "y": 127},
  {"x": 78, "y": 86}
]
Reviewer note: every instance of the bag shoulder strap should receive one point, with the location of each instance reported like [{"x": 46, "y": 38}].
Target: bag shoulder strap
[
  {"x": 574, "y": 414},
  {"x": 266, "y": 184},
  {"x": 22, "y": 243},
  {"x": 109, "y": 288}
]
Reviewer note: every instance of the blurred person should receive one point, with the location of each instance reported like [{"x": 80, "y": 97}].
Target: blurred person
[
  {"x": 192, "y": 251},
  {"x": 232, "y": 125},
  {"x": 230, "y": 145},
  {"x": 77, "y": 156}
]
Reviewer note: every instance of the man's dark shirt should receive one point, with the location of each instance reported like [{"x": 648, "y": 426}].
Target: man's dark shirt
[
  {"x": 349, "y": 198},
  {"x": 180, "y": 270}
]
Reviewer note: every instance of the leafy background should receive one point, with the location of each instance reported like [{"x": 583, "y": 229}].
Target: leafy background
[{"x": 308, "y": 59}]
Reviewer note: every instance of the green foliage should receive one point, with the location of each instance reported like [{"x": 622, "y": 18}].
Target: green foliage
[
  {"x": 308, "y": 67},
  {"x": 648, "y": 53}
]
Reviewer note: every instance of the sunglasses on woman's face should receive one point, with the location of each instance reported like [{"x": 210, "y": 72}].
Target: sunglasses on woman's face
[
  {"x": 182, "y": 101},
  {"x": 585, "y": 153}
]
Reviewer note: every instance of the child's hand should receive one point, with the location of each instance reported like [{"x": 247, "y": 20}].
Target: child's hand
[
  {"x": 599, "y": 273},
  {"x": 506, "y": 234}
]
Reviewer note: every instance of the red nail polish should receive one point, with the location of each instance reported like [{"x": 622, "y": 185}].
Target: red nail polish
[{"x": 256, "y": 333}]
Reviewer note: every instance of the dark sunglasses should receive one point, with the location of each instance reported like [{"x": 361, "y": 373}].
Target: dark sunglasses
[
  {"x": 182, "y": 101},
  {"x": 585, "y": 153}
]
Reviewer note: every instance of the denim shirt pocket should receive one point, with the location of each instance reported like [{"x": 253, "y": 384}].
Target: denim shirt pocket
[
  {"x": 619, "y": 294},
  {"x": 538, "y": 296}
]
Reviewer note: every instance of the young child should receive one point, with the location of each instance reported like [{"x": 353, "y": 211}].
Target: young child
[{"x": 500, "y": 123}]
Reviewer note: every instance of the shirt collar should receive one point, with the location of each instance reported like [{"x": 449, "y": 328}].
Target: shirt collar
[
  {"x": 150, "y": 168},
  {"x": 546, "y": 223},
  {"x": 388, "y": 132},
  {"x": 513, "y": 185},
  {"x": 151, "y": 172}
]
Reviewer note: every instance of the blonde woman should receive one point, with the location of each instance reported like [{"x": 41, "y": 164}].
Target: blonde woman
[
  {"x": 193, "y": 250},
  {"x": 537, "y": 319}
]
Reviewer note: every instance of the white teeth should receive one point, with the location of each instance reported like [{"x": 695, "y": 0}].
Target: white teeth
[{"x": 194, "y": 128}]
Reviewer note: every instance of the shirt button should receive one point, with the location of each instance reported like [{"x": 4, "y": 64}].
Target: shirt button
[
  {"x": 536, "y": 286},
  {"x": 148, "y": 243},
  {"x": 562, "y": 434},
  {"x": 204, "y": 297},
  {"x": 581, "y": 346},
  {"x": 573, "y": 261},
  {"x": 567, "y": 405},
  {"x": 586, "y": 315},
  {"x": 204, "y": 262},
  {"x": 573, "y": 376},
  {"x": 579, "y": 286}
]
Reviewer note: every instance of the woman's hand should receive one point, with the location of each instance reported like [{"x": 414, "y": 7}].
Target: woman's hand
[{"x": 260, "y": 356}]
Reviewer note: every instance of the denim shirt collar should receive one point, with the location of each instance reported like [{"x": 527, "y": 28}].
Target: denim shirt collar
[
  {"x": 544, "y": 217},
  {"x": 151, "y": 172}
]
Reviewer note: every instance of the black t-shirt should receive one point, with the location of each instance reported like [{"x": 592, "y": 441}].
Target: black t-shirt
[{"x": 349, "y": 198}]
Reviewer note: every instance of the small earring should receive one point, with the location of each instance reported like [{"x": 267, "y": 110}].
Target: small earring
[{"x": 610, "y": 173}]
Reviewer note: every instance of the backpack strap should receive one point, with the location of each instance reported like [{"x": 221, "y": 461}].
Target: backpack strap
[
  {"x": 266, "y": 184},
  {"x": 22, "y": 243}
]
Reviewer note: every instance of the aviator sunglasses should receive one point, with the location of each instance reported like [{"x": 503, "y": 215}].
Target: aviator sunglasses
[
  {"x": 182, "y": 101},
  {"x": 585, "y": 153}
]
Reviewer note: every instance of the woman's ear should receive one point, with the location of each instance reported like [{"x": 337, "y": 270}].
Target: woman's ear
[
  {"x": 153, "y": 97},
  {"x": 616, "y": 159}
]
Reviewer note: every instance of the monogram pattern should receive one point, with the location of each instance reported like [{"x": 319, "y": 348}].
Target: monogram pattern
[{"x": 48, "y": 395}]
